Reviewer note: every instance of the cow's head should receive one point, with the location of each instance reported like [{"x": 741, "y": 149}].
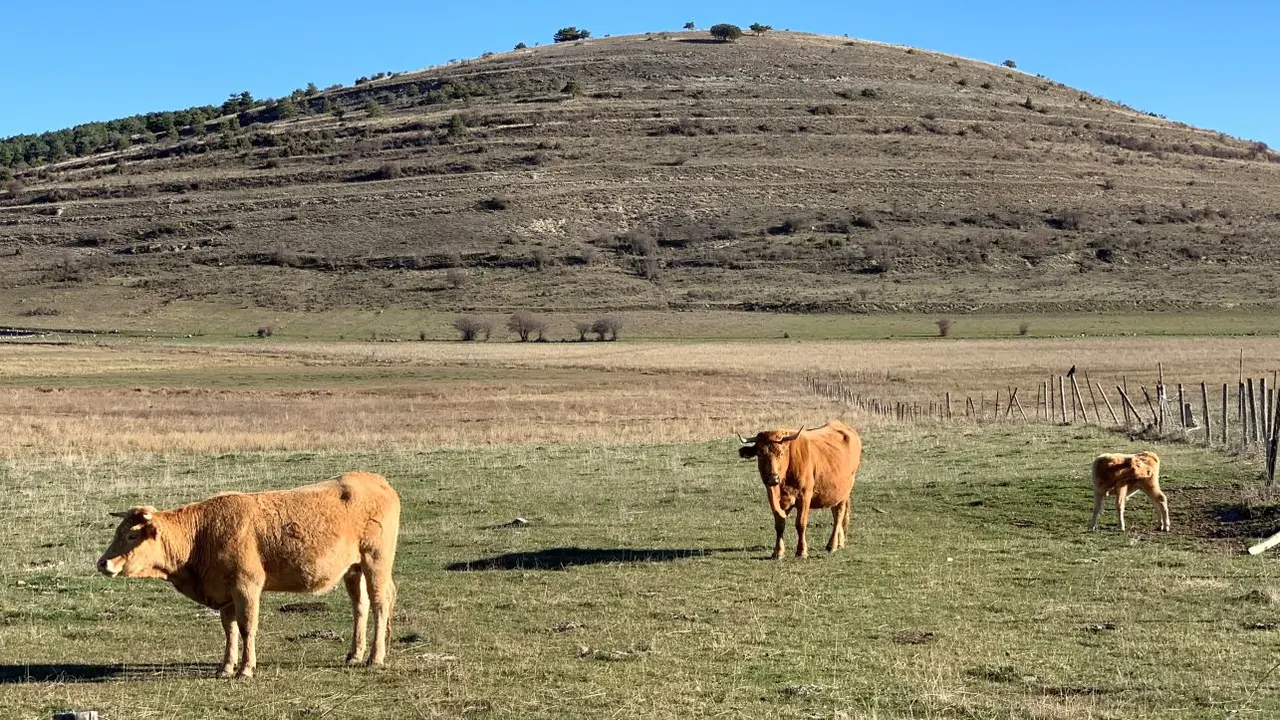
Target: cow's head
[
  {"x": 136, "y": 547},
  {"x": 770, "y": 449}
]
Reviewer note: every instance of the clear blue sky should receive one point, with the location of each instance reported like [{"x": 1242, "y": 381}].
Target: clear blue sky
[{"x": 1204, "y": 63}]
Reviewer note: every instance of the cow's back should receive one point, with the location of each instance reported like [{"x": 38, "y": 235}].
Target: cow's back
[
  {"x": 832, "y": 454},
  {"x": 304, "y": 539},
  {"x": 1113, "y": 470}
]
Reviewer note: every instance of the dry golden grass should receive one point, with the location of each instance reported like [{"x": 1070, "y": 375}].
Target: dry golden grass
[{"x": 140, "y": 397}]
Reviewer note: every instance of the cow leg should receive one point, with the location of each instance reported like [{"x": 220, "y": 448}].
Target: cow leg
[
  {"x": 359, "y": 593},
  {"x": 844, "y": 527},
  {"x": 802, "y": 524},
  {"x": 779, "y": 527},
  {"x": 1162, "y": 507},
  {"x": 382, "y": 596},
  {"x": 837, "y": 537},
  {"x": 232, "y": 631},
  {"x": 246, "y": 600},
  {"x": 1098, "y": 496},
  {"x": 1122, "y": 494}
]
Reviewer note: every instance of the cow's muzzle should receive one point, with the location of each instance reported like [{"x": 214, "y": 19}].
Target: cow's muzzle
[
  {"x": 104, "y": 567},
  {"x": 771, "y": 481}
]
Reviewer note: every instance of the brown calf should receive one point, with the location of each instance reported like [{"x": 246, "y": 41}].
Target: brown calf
[
  {"x": 1124, "y": 475},
  {"x": 807, "y": 469},
  {"x": 225, "y": 551}
]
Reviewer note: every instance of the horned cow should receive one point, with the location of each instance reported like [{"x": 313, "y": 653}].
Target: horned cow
[
  {"x": 223, "y": 552},
  {"x": 807, "y": 469},
  {"x": 1124, "y": 475}
]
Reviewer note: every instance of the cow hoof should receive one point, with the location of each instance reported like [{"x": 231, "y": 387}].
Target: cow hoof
[
  {"x": 376, "y": 663},
  {"x": 226, "y": 672},
  {"x": 353, "y": 661},
  {"x": 245, "y": 673}
]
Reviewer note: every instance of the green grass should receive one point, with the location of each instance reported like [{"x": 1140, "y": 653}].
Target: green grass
[{"x": 638, "y": 589}]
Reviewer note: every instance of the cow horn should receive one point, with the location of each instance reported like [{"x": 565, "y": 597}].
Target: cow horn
[
  {"x": 121, "y": 514},
  {"x": 793, "y": 437},
  {"x": 743, "y": 440}
]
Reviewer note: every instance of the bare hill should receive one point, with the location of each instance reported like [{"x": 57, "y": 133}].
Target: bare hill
[{"x": 780, "y": 172}]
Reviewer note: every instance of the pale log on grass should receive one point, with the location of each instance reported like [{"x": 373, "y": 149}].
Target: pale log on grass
[{"x": 1265, "y": 545}]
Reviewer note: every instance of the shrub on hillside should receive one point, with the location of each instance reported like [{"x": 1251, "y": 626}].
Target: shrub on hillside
[
  {"x": 944, "y": 326},
  {"x": 471, "y": 327},
  {"x": 583, "y": 327},
  {"x": 457, "y": 277},
  {"x": 1010, "y": 64},
  {"x": 606, "y": 328},
  {"x": 759, "y": 29},
  {"x": 724, "y": 32},
  {"x": 524, "y": 323}
]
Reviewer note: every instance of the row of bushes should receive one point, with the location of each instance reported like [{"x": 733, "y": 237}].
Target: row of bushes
[{"x": 530, "y": 326}]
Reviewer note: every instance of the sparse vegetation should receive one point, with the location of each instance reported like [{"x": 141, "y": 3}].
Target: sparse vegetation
[
  {"x": 944, "y": 326},
  {"x": 518, "y": 182},
  {"x": 457, "y": 277},
  {"x": 1010, "y": 64},
  {"x": 759, "y": 29}
]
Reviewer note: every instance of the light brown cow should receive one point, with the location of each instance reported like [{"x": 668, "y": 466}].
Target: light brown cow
[
  {"x": 1125, "y": 475},
  {"x": 224, "y": 551},
  {"x": 806, "y": 469}
]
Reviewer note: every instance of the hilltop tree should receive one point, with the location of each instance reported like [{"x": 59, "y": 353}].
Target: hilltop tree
[
  {"x": 571, "y": 33},
  {"x": 1010, "y": 64},
  {"x": 724, "y": 32},
  {"x": 689, "y": 26},
  {"x": 759, "y": 29}
]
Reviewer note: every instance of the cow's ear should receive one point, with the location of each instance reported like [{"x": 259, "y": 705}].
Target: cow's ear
[
  {"x": 137, "y": 514},
  {"x": 746, "y": 452}
]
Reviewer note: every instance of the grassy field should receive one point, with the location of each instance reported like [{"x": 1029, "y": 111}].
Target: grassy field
[{"x": 970, "y": 587}]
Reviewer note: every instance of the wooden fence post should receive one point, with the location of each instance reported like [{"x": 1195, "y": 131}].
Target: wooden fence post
[
  {"x": 1094, "y": 400},
  {"x": 1124, "y": 381},
  {"x": 1015, "y": 402},
  {"x": 1114, "y": 419},
  {"x": 1155, "y": 419},
  {"x": 1128, "y": 405},
  {"x": 1226, "y": 442},
  {"x": 1204, "y": 403},
  {"x": 1182, "y": 410},
  {"x": 1271, "y": 452},
  {"x": 948, "y": 404},
  {"x": 1075, "y": 390},
  {"x": 1062, "y": 399},
  {"x": 1253, "y": 414},
  {"x": 1264, "y": 427}
]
